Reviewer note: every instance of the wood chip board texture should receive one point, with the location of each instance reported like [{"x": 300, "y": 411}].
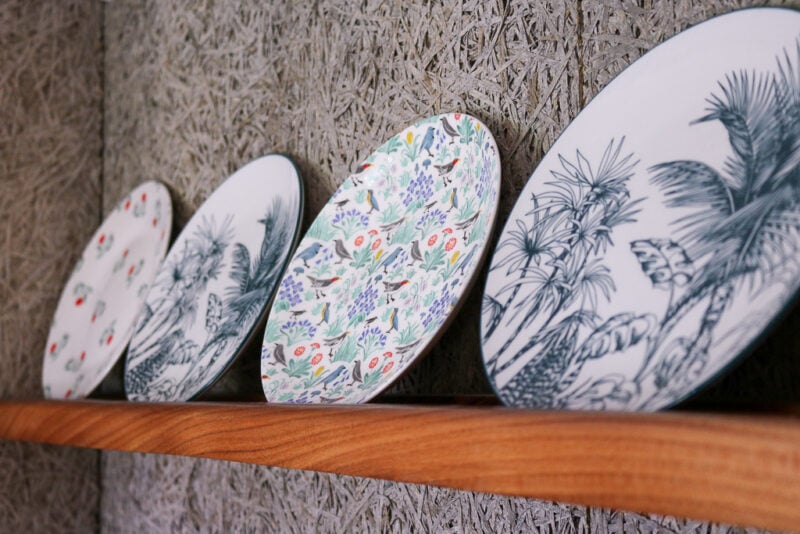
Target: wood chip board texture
[
  {"x": 193, "y": 91},
  {"x": 50, "y": 162}
]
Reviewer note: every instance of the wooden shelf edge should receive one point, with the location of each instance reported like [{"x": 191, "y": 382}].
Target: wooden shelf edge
[{"x": 734, "y": 469}]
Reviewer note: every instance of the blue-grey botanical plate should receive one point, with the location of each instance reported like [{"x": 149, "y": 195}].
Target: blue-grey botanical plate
[
  {"x": 216, "y": 283},
  {"x": 658, "y": 238},
  {"x": 384, "y": 265}
]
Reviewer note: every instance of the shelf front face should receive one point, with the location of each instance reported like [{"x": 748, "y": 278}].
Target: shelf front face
[{"x": 732, "y": 469}]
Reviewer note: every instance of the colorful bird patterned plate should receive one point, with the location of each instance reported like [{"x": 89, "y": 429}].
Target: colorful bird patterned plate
[
  {"x": 658, "y": 239},
  {"x": 216, "y": 283},
  {"x": 98, "y": 307},
  {"x": 384, "y": 265}
]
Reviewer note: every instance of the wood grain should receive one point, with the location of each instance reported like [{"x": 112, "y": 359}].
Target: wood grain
[{"x": 735, "y": 469}]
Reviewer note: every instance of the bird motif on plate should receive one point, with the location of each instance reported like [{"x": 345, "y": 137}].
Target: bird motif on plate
[
  {"x": 392, "y": 287},
  {"x": 320, "y": 284},
  {"x": 446, "y": 170},
  {"x": 449, "y": 130},
  {"x": 341, "y": 251},
  {"x": 309, "y": 253}
]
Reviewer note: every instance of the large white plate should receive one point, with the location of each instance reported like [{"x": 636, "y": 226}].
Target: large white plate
[
  {"x": 216, "y": 283},
  {"x": 659, "y": 236},
  {"x": 384, "y": 265},
  {"x": 98, "y": 307}
]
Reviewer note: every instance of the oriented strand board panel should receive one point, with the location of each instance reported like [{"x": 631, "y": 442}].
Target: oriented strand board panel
[
  {"x": 50, "y": 150},
  {"x": 194, "y": 91}
]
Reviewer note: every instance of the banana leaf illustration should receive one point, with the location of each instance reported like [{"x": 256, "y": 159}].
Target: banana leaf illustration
[
  {"x": 664, "y": 262},
  {"x": 618, "y": 333}
]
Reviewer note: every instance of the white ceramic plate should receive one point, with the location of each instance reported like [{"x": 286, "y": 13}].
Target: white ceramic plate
[
  {"x": 95, "y": 315},
  {"x": 384, "y": 265},
  {"x": 658, "y": 238},
  {"x": 216, "y": 283}
]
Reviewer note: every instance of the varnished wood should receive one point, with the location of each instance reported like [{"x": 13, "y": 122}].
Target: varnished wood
[{"x": 733, "y": 469}]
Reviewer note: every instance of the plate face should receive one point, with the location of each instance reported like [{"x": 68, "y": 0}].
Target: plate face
[
  {"x": 383, "y": 265},
  {"x": 658, "y": 238},
  {"x": 216, "y": 283},
  {"x": 98, "y": 307}
]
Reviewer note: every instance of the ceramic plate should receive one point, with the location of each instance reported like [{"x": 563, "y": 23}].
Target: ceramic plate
[
  {"x": 658, "y": 238},
  {"x": 216, "y": 283},
  {"x": 383, "y": 265},
  {"x": 98, "y": 307}
]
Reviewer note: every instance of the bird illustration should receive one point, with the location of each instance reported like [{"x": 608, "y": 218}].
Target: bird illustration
[
  {"x": 329, "y": 400},
  {"x": 393, "y": 320},
  {"x": 446, "y": 169},
  {"x": 356, "y": 374},
  {"x": 392, "y": 226},
  {"x": 333, "y": 342},
  {"x": 278, "y": 354},
  {"x": 332, "y": 376},
  {"x": 309, "y": 253},
  {"x": 341, "y": 204},
  {"x": 370, "y": 320},
  {"x": 416, "y": 254},
  {"x": 372, "y": 201},
  {"x": 402, "y": 351},
  {"x": 464, "y": 263},
  {"x": 321, "y": 283},
  {"x": 341, "y": 250},
  {"x": 453, "y": 199},
  {"x": 296, "y": 313},
  {"x": 392, "y": 287},
  {"x": 449, "y": 130},
  {"x": 358, "y": 180},
  {"x": 427, "y": 141},
  {"x": 467, "y": 223},
  {"x": 388, "y": 260},
  {"x": 429, "y": 205},
  {"x": 325, "y": 314}
]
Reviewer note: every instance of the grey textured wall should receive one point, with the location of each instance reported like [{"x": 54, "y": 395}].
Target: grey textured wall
[
  {"x": 193, "y": 91},
  {"x": 50, "y": 150}
]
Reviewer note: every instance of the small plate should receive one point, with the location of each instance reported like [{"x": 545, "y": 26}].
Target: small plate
[
  {"x": 98, "y": 306},
  {"x": 658, "y": 239},
  {"x": 216, "y": 283},
  {"x": 384, "y": 265}
]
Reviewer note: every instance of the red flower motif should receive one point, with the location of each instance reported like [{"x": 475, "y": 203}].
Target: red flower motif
[
  {"x": 78, "y": 301},
  {"x": 68, "y": 393},
  {"x": 83, "y": 355},
  {"x": 53, "y": 347},
  {"x": 264, "y": 377},
  {"x": 109, "y": 339},
  {"x": 387, "y": 367},
  {"x": 432, "y": 240},
  {"x": 299, "y": 351},
  {"x": 373, "y": 232},
  {"x": 125, "y": 253},
  {"x": 451, "y": 243},
  {"x": 315, "y": 345},
  {"x": 155, "y": 222},
  {"x": 376, "y": 244},
  {"x": 359, "y": 240},
  {"x": 144, "y": 197},
  {"x": 130, "y": 270},
  {"x": 387, "y": 354},
  {"x": 102, "y": 239},
  {"x": 94, "y": 317},
  {"x": 316, "y": 359},
  {"x": 127, "y": 204},
  {"x": 373, "y": 362},
  {"x": 447, "y": 230}
]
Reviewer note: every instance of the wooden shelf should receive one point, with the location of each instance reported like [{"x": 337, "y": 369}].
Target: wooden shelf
[{"x": 736, "y": 469}]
